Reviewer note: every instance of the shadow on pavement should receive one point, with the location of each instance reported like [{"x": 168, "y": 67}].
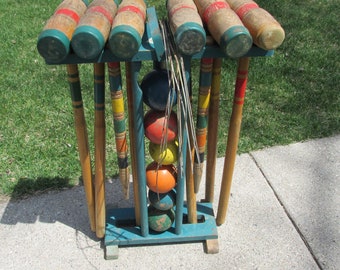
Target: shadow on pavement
[{"x": 68, "y": 206}]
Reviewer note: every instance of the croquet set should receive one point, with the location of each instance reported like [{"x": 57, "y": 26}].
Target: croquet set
[{"x": 111, "y": 33}]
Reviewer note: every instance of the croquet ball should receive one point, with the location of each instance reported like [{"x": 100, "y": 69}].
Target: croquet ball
[
  {"x": 162, "y": 201},
  {"x": 159, "y": 220},
  {"x": 155, "y": 123},
  {"x": 155, "y": 88},
  {"x": 161, "y": 179},
  {"x": 167, "y": 156}
]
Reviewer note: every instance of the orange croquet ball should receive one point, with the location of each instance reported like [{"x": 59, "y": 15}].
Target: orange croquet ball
[
  {"x": 167, "y": 156},
  {"x": 154, "y": 122},
  {"x": 161, "y": 180}
]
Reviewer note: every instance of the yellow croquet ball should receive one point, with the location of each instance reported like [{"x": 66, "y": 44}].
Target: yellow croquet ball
[{"x": 167, "y": 156}]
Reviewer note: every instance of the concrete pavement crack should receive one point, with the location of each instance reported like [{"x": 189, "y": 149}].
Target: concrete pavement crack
[{"x": 287, "y": 212}]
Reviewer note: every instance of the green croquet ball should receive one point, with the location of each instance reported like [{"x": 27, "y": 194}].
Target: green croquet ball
[{"x": 159, "y": 220}]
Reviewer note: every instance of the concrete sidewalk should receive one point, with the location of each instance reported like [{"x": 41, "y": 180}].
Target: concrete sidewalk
[{"x": 283, "y": 214}]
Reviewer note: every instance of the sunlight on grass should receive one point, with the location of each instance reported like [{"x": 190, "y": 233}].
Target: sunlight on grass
[{"x": 292, "y": 96}]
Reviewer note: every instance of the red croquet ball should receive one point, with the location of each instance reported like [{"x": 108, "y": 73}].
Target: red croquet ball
[
  {"x": 154, "y": 123},
  {"x": 161, "y": 180}
]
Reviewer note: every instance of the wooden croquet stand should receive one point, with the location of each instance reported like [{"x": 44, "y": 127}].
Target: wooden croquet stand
[{"x": 120, "y": 226}]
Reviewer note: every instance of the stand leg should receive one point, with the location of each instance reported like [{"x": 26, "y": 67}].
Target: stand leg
[
  {"x": 211, "y": 246},
  {"x": 111, "y": 252}
]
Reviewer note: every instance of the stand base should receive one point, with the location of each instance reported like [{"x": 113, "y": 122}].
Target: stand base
[{"x": 121, "y": 230}]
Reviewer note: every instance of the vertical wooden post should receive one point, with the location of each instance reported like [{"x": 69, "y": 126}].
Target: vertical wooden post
[
  {"x": 132, "y": 136},
  {"x": 213, "y": 130},
  {"x": 82, "y": 140},
  {"x": 99, "y": 138},
  {"x": 190, "y": 183},
  {"x": 119, "y": 124},
  {"x": 190, "y": 187},
  {"x": 138, "y": 129},
  {"x": 202, "y": 112},
  {"x": 181, "y": 178},
  {"x": 233, "y": 137}
]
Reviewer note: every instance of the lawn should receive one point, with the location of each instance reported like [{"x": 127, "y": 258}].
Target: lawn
[{"x": 292, "y": 96}]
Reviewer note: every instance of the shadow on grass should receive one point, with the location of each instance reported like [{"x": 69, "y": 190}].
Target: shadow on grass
[{"x": 30, "y": 186}]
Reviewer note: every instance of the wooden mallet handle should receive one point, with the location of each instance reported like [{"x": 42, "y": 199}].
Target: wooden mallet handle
[
  {"x": 99, "y": 140},
  {"x": 233, "y": 137},
  {"x": 82, "y": 140}
]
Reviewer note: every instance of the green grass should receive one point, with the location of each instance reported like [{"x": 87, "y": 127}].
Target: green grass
[{"x": 292, "y": 96}]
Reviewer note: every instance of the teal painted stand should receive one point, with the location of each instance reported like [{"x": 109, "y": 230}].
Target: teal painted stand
[{"x": 121, "y": 230}]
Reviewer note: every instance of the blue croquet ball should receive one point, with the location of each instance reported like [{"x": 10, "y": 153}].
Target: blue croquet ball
[
  {"x": 155, "y": 88},
  {"x": 162, "y": 201}
]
